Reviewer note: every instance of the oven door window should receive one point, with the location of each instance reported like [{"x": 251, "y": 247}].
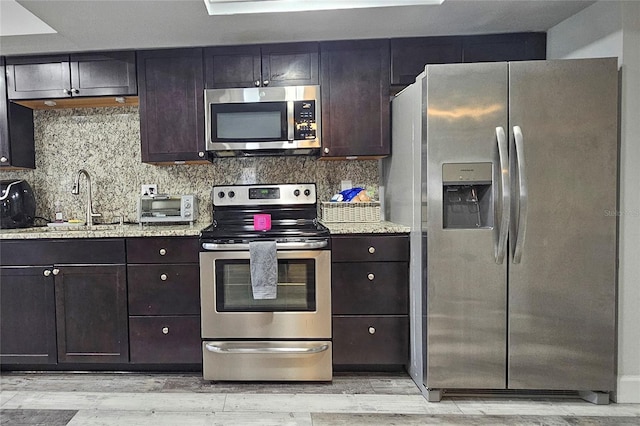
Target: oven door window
[
  {"x": 249, "y": 122},
  {"x": 296, "y": 287}
]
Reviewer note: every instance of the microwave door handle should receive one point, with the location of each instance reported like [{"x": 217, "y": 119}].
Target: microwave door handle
[{"x": 290, "y": 122}]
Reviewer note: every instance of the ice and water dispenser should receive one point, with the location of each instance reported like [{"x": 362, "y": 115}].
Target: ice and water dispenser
[{"x": 467, "y": 195}]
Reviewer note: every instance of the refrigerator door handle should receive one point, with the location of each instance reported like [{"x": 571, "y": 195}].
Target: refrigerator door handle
[
  {"x": 503, "y": 153},
  {"x": 523, "y": 197}
]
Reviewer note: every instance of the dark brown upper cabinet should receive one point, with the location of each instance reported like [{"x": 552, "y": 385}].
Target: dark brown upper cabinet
[
  {"x": 354, "y": 80},
  {"x": 17, "y": 148},
  {"x": 287, "y": 64},
  {"x": 171, "y": 108},
  {"x": 75, "y": 75},
  {"x": 504, "y": 47},
  {"x": 410, "y": 55}
]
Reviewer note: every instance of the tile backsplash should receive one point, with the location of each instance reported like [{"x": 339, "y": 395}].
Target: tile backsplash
[{"x": 106, "y": 142}]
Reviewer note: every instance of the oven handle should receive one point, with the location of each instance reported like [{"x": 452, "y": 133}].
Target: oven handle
[
  {"x": 266, "y": 350},
  {"x": 245, "y": 246}
]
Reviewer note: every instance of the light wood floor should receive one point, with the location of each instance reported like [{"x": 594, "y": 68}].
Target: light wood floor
[{"x": 353, "y": 399}]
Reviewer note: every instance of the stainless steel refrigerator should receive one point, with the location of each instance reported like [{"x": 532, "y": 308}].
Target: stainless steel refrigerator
[{"x": 507, "y": 175}]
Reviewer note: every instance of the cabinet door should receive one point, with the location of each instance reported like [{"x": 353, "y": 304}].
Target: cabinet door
[
  {"x": 17, "y": 148},
  {"x": 103, "y": 74},
  {"x": 235, "y": 66},
  {"x": 27, "y": 316},
  {"x": 504, "y": 47},
  {"x": 38, "y": 77},
  {"x": 290, "y": 64},
  {"x": 91, "y": 314},
  {"x": 355, "y": 99},
  {"x": 410, "y": 55},
  {"x": 171, "y": 94}
]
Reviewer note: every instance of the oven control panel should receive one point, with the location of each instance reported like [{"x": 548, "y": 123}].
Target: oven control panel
[{"x": 258, "y": 195}]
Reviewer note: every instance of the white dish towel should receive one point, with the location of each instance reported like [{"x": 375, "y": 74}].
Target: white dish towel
[{"x": 263, "y": 261}]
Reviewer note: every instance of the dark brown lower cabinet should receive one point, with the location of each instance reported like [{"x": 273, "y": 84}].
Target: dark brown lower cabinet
[
  {"x": 164, "y": 301},
  {"x": 63, "y": 303},
  {"x": 27, "y": 316},
  {"x": 371, "y": 340},
  {"x": 370, "y": 300},
  {"x": 91, "y": 314},
  {"x": 165, "y": 339}
]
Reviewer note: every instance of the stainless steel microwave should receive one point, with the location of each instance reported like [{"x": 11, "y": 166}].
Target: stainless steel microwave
[{"x": 261, "y": 121}]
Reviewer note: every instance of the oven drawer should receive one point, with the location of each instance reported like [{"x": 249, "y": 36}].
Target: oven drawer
[
  {"x": 374, "y": 288},
  {"x": 163, "y": 250},
  {"x": 164, "y": 289},
  {"x": 165, "y": 340},
  {"x": 267, "y": 360},
  {"x": 367, "y": 340}
]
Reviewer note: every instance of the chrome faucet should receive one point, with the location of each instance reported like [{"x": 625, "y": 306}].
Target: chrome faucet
[{"x": 76, "y": 190}]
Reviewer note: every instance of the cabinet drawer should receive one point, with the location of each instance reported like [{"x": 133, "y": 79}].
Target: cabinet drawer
[
  {"x": 379, "y": 288},
  {"x": 164, "y": 289},
  {"x": 362, "y": 340},
  {"x": 163, "y": 250},
  {"x": 370, "y": 248},
  {"x": 165, "y": 340},
  {"x": 63, "y": 251}
]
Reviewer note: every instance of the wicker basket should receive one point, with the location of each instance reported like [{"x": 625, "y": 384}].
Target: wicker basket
[{"x": 350, "y": 212}]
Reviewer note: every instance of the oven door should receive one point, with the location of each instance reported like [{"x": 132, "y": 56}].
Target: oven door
[{"x": 302, "y": 309}]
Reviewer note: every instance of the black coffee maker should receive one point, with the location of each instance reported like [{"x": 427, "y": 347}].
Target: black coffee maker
[{"x": 17, "y": 204}]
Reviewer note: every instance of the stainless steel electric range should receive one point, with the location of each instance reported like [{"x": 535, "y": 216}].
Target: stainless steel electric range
[{"x": 287, "y": 337}]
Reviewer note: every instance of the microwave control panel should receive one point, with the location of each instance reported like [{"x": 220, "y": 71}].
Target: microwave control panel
[{"x": 304, "y": 117}]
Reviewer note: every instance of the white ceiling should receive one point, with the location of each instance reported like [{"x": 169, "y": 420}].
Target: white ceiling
[{"x": 138, "y": 24}]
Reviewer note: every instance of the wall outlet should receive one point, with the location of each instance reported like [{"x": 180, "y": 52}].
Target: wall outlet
[
  {"x": 148, "y": 189},
  {"x": 345, "y": 184}
]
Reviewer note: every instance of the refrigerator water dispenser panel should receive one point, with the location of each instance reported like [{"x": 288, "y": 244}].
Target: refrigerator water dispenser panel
[{"x": 467, "y": 196}]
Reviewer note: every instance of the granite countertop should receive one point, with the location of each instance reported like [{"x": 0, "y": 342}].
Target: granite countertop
[
  {"x": 102, "y": 231},
  {"x": 134, "y": 230},
  {"x": 383, "y": 227}
]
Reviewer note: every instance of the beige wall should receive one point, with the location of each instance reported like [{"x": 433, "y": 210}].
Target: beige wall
[{"x": 612, "y": 28}]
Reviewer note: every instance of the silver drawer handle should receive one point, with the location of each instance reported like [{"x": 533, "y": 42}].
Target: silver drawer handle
[
  {"x": 162, "y": 252},
  {"x": 165, "y": 330},
  {"x": 371, "y": 277},
  {"x": 56, "y": 271},
  {"x": 372, "y": 330},
  {"x": 266, "y": 350},
  {"x": 372, "y": 249},
  {"x": 47, "y": 272},
  {"x": 163, "y": 277},
  {"x": 4, "y": 160},
  {"x": 242, "y": 246}
]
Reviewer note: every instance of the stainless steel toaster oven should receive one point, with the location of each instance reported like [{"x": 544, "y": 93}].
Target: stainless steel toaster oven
[{"x": 164, "y": 208}]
